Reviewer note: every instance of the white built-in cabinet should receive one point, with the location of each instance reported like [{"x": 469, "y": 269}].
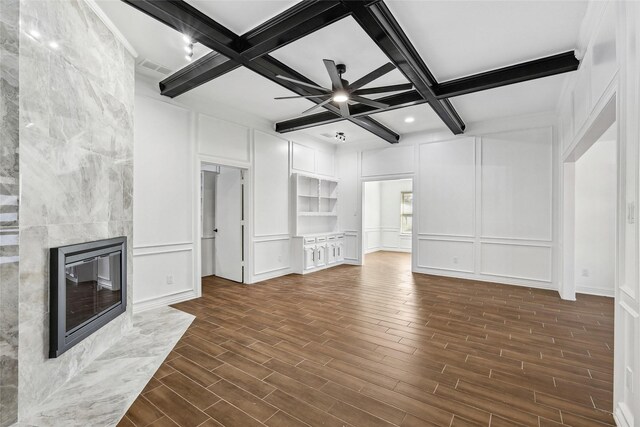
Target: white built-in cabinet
[
  {"x": 317, "y": 244},
  {"x": 316, "y": 252}
]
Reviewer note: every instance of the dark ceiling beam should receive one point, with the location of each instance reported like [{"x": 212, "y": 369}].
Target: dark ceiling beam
[
  {"x": 543, "y": 67},
  {"x": 304, "y": 18},
  {"x": 378, "y": 22},
  {"x": 300, "y": 20},
  {"x": 185, "y": 18},
  {"x": 400, "y": 100},
  {"x": 199, "y": 72}
]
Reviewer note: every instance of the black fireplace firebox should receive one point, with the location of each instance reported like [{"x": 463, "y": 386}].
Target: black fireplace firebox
[{"x": 88, "y": 289}]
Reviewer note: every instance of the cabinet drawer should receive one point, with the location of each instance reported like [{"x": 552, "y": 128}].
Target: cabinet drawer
[
  {"x": 309, "y": 240},
  {"x": 321, "y": 239}
]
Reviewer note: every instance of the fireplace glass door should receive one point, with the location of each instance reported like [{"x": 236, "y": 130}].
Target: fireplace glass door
[{"x": 92, "y": 287}]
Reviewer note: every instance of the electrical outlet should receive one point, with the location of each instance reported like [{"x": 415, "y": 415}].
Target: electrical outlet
[
  {"x": 169, "y": 280},
  {"x": 455, "y": 259},
  {"x": 585, "y": 272},
  {"x": 628, "y": 379}
]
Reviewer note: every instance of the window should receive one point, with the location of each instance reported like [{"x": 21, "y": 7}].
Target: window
[{"x": 406, "y": 212}]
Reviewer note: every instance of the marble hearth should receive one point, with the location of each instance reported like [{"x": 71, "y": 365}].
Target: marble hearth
[{"x": 101, "y": 393}]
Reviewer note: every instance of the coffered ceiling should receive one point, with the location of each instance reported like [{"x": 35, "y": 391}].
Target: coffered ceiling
[{"x": 454, "y": 39}]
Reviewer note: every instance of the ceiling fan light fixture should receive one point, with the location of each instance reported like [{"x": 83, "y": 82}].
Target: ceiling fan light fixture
[{"x": 340, "y": 97}]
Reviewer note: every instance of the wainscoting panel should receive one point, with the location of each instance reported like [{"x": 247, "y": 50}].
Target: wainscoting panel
[
  {"x": 162, "y": 272},
  {"x": 351, "y": 243},
  {"x": 325, "y": 163},
  {"x": 518, "y": 261},
  {"x": 303, "y": 158},
  {"x": 372, "y": 240},
  {"x": 222, "y": 139},
  {"x": 271, "y": 254},
  {"x": 162, "y": 140},
  {"x": 441, "y": 254},
  {"x": 516, "y": 184},
  {"x": 271, "y": 185},
  {"x": 446, "y": 199},
  {"x": 388, "y": 161}
]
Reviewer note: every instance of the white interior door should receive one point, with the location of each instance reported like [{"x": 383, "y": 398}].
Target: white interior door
[
  {"x": 208, "y": 242},
  {"x": 228, "y": 214}
]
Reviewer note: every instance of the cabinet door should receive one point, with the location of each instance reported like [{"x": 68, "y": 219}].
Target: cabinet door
[
  {"x": 309, "y": 257},
  {"x": 340, "y": 251},
  {"x": 331, "y": 253},
  {"x": 321, "y": 255}
]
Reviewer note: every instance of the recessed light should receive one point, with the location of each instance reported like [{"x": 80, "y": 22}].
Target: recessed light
[
  {"x": 30, "y": 124},
  {"x": 35, "y": 34},
  {"x": 54, "y": 45},
  {"x": 409, "y": 119}
]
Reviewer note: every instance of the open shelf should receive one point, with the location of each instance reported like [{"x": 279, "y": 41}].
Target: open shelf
[{"x": 316, "y": 204}]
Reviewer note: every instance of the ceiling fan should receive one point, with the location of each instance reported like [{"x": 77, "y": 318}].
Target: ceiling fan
[{"x": 343, "y": 93}]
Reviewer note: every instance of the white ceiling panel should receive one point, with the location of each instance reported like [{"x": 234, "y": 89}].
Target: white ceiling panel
[
  {"x": 241, "y": 16},
  {"x": 152, "y": 39},
  {"x": 344, "y": 42},
  {"x": 423, "y": 119},
  {"x": 247, "y": 91},
  {"x": 459, "y": 38},
  {"x": 535, "y": 96},
  {"x": 327, "y": 132}
]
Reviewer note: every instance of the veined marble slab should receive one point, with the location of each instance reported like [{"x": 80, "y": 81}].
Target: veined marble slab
[{"x": 101, "y": 394}]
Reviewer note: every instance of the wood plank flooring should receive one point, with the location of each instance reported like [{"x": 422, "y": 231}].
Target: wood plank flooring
[{"x": 380, "y": 346}]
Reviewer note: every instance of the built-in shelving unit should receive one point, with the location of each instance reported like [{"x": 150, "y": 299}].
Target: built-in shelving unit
[{"x": 316, "y": 204}]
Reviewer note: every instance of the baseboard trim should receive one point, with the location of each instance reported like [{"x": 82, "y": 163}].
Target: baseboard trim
[
  {"x": 491, "y": 279},
  {"x": 165, "y": 300},
  {"x": 595, "y": 291},
  {"x": 257, "y": 278},
  {"x": 622, "y": 416}
]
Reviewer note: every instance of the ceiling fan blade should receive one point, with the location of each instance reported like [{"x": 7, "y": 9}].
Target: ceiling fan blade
[
  {"x": 316, "y": 106},
  {"x": 303, "y": 96},
  {"x": 382, "y": 89},
  {"x": 302, "y": 83},
  {"x": 336, "y": 81},
  {"x": 369, "y": 102},
  {"x": 344, "y": 109},
  {"x": 378, "y": 72}
]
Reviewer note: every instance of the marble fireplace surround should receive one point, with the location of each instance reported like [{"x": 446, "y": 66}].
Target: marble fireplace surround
[{"x": 75, "y": 116}]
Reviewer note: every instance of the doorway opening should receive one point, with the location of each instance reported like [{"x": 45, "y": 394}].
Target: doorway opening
[
  {"x": 591, "y": 208},
  {"x": 222, "y": 218},
  {"x": 387, "y": 221}
]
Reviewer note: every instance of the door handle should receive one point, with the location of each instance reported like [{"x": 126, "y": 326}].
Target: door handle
[{"x": 215, "y": 230}]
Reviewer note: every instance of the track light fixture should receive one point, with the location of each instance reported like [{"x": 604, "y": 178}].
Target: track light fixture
[{"x": 341, "y": 137}]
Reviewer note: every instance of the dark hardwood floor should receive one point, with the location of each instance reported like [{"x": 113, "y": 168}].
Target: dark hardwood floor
[{"x": 380, "y": 346}]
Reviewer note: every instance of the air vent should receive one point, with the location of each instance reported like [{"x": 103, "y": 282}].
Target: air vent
[
  {"x": 327, "y": 135},
  {"x": 150, "y": 65},
  {"x": 164, "y": 70}
]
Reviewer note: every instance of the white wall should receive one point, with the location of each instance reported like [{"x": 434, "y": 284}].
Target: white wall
[
  {"x": 482, "y": 203},
  {"x": 171, "y": 140},
  {"x": 609, "y": 79},
  {"x": 595, "y": 221},
  {"x": 382, "y": 216},
  {"x": 371, "y": 213}
]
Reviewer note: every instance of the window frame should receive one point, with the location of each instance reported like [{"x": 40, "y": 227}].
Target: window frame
[{"x": 403, "y": 214}]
